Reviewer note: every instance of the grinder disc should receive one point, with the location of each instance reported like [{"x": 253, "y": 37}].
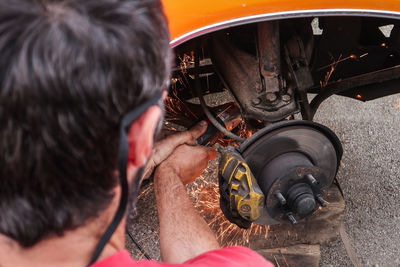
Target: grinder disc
[{"x": 289, "y": 140}]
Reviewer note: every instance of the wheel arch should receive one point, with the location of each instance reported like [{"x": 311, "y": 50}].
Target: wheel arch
[{"x": 190, "y": 19}]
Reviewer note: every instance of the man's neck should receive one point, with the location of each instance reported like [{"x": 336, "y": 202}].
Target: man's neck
[{"x": 74, "y": 248}]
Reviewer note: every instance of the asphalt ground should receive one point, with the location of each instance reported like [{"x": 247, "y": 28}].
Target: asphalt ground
[{"x": 369, "y": 177}]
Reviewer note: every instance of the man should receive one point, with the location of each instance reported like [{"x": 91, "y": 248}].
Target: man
[{"x": 80, "y": 93}]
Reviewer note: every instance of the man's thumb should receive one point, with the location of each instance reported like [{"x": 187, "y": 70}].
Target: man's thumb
[{"x": 198, "y": 130}]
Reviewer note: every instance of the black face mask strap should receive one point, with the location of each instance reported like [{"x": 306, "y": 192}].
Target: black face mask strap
[{"x": 123, "y": 155}]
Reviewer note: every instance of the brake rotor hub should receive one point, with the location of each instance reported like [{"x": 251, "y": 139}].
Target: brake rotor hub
[{"x": 293, "y": 163}]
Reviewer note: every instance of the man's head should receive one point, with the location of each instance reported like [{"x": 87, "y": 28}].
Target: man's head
[{"x": 69, "y": 71}]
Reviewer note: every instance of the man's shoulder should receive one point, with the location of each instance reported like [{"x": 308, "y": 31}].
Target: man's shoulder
[{"x": 229, "y": 256}]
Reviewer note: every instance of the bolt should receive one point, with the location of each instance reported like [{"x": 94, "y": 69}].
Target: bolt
[
  {"x": 321, "y": 200},
  {"x": 280, "y": 197},
  {"x": 291, "y": 218},
  {"x": 286, "y": 98},
  {"x": 311, "y": 179},
  {"x": 245, "y": 208},
  {"x": 271, "y": 97},
  {"x": 256, "y": 101}
]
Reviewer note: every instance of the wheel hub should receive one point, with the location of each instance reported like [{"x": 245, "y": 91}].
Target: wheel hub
[{"x": 294, "y": 163}]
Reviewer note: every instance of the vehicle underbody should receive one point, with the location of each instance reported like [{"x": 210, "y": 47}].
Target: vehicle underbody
[{"x": 277, "y": 72}]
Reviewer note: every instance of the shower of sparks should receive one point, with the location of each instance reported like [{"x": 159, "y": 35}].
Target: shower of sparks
[
  {"x": 184, "y": 114},
  {"x": 186, "y": 61},
  {"x": 328, "y": 75},
  {"x": 334, "y": 65},
  {"x": 179, "y": 112},
  {"x": 352, "y": 56},
  {"x": 141, "y": 256},
  {"x": 243, "y": 130},
  {"x": 145, "y": 192},
  {"x": 276, "y": 261},
  {"x": 284, "y": 258},
  {"x": 228, "y": 234}
]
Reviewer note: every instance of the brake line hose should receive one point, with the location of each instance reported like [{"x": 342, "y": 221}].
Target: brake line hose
[{"x": 203, "y": 104}]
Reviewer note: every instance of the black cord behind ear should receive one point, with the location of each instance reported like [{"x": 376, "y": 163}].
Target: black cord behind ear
[{"x": 123, "y": 155}]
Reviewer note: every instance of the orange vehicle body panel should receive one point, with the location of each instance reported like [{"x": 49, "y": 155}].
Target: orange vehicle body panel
[{"x": 185, "y": 16}]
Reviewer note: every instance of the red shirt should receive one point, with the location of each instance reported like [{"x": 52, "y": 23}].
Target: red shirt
[{"x": 230, "y": 256}]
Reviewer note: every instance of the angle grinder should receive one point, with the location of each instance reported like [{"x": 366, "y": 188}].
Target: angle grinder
[{"x": 229, "y": 116}]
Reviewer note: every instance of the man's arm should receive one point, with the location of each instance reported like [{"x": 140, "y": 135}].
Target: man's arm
[{"x": 183, "y": 233}]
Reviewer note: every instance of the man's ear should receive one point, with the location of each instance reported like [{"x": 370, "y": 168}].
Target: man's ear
[{"x": 141, "y": 134}]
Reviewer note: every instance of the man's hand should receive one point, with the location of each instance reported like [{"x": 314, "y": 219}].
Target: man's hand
[
  {"x": 164, "y": 148},
  {"x": 188, "y": 162}
]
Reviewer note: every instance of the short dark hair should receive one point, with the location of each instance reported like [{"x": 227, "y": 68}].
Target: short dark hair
[{"x": 69, "y": 71}]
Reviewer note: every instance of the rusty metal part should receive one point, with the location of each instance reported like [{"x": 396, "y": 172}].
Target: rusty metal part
[
  {"x": 367, "y": 79},
  {"x": 249, "y": 66},
  {"x": 297, "y": 62},
  {"x": 293, "y": 162},
  {"x": 230, "y": 116},
  {"x": 247, "y": 61},
  {"x": 269, "y": 53}
]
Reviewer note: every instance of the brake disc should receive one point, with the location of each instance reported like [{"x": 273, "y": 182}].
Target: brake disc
[{"x": 294, "y": 163}]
